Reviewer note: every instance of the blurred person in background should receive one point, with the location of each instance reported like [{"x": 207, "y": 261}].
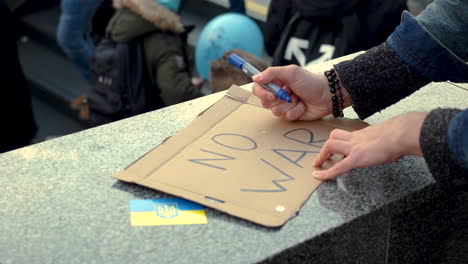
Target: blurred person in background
[
  {"x": 165, "y": 45},
  {"x": 74, "y": 37},
  {"x": 18, "y": 122},
  {"x": 305, "y": 32}
]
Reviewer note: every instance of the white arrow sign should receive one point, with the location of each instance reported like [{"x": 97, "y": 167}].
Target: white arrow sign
[
  {"x": 327, "y": 50},
  {"x": 294, "y": 48}
]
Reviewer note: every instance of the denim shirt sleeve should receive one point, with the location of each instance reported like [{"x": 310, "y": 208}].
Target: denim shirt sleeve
[
  {"x": 418, "y": 48},
  {"x": 444, "y": 146},
  {"x": 458, "y": 137},
  {"x": 447, "y": 21}
]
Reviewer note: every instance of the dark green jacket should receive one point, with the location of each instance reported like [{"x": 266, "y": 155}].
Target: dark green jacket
[{"x": 164, "y": 50}]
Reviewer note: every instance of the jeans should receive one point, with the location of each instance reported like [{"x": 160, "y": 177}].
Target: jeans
[
  {"x": 237, "y": 6},
  {"x": 74, "y": 32}
]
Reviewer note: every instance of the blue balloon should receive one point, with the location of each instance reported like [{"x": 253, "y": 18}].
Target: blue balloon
[{"x": 223, "y": 33}]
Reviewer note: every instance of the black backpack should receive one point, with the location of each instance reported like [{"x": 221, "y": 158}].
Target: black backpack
[{"x": 120, "y": 83}]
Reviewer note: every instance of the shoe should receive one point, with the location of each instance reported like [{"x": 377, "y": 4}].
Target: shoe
[
  {"x": 84, "y": 112},
  {"x": 80, "y": 103}
]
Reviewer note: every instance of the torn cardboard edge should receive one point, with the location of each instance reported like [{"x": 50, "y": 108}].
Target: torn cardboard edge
[{"x": 187, "y": 164}]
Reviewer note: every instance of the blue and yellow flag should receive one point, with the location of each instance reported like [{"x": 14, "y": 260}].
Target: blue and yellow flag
[{"x": 174, "y": 211}]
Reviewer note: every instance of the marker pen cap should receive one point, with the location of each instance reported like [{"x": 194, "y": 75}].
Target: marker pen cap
[{"x": 236, "y": 60}]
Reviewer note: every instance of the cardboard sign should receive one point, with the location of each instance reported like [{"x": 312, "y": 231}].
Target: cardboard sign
[{"x": 239, "y": 158}]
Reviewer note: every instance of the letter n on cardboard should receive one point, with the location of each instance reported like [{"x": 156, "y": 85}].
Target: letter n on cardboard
[{"x": 257, "y": 167}]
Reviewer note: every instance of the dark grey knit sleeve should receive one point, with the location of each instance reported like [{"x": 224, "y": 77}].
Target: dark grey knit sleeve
[
  {"x": 377, "y": 79},
  {"x": 445, "y": 168}
]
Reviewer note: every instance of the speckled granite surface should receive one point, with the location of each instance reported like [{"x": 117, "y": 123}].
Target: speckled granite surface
[{"x": 59, "y": 203}]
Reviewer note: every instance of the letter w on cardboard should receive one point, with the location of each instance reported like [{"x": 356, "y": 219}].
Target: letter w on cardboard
[{"x": 240, "y": 159}]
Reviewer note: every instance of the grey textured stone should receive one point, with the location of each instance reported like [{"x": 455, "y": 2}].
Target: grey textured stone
[
  {"x": 429, "y": 227},
  {"x": 59, "y": 204}
]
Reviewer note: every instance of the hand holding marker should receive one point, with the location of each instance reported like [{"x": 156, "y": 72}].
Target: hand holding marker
[{"x": 250, "y": 70}]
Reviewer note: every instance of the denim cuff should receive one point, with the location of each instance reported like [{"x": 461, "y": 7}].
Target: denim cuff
[
  {"x": 444, "y": 164},
  {"x": 418, "y": 48},
  {"x": 458, "y": 137}
]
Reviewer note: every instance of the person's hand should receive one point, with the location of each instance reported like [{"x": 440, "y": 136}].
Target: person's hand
[
  {"x": 310, "y": 93},
  {"x": 373, "y": 145}
]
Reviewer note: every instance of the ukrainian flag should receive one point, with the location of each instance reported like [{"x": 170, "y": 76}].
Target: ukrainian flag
[{"x": 173, "y": 211}]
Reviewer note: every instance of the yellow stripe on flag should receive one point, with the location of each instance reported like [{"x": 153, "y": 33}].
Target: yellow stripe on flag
[{"x": 183, "y": 218}]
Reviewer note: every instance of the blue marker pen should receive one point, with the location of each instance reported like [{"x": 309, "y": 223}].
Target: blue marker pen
[{"x": 250, "y": 70}]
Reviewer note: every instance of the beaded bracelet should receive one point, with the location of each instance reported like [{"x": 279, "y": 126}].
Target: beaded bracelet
[{"x": 335, "y": 90}]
